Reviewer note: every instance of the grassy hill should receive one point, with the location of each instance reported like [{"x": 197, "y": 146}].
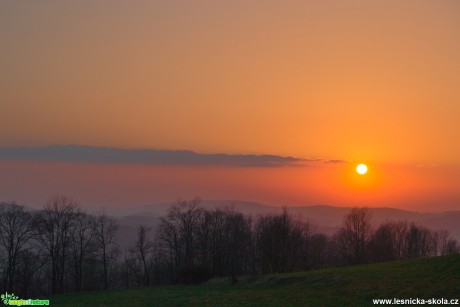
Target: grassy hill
[{"x": 437, "y": 277}]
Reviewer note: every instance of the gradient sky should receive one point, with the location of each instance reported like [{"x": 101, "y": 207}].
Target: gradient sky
[{"x": 371, "y": 81}]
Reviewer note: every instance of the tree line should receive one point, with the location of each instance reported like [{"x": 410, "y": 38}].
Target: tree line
[{"x": 62, "y": 248}]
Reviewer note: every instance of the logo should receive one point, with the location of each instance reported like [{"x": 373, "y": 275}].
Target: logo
[{"x": 10, "y": 299}]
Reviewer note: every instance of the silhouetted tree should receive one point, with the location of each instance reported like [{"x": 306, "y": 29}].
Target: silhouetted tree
[
  {"x": 229, "y": 239},
  {"x": 16, "y": 230},
  {"x": 105, "y": 231},
  {"x": 354, "y": 235},
  {"x": 280, "y": 243},
  {"x": 53, "y": 232},
  {"x": 387, "y": 241},
  {"x": 61, "y": 247},
  {"x": 141, "y": 253},
  {"x": 418, "y": 242},
  {"x": 447, "y": 245},
  {"x": 30, "y": 262},
  {"x": 170, "y": 245},
  {"x": 177, "y": 234},
  {"x": 316, "y": 244},
  {"x": 451, "y": 247},
  {"x": 82, "y": 243}
]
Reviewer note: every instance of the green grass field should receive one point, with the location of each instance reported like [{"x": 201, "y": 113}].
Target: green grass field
[{"x": 347, "y": 286}]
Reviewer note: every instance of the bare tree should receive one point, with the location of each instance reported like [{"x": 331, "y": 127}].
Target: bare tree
[
  {"x": 447, "y": 245},
  {"x": 186, "y": 215},
  {"x": 354, "y": 235},
  {"x": 105, "y": 230},
  {"x": 170, "y": 244},
  {"x": 16, "y": 230},
  {"x": 212, "y": 239},
  {"x": 280, "y": 241},
  {"x": 451, "y": 247},
  {"x": 177, "y": 233},
  {"x": 53, "y": 232},
  {"x": 30, "y": 261},
  {"x": 443, "y": 238},
  {"x": 386, "y": 242},
  {"x": 238, "y": 242},
  {"x": 82, "y": 242},
  {"x": 315, "y": 245},
  {"x": 223, "y": 242},
  {"x": 418, "y": 242},
  {"x": 141, "y": 254}
]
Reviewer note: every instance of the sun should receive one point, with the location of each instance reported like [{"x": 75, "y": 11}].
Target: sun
[{"x": 361, "y": 169}]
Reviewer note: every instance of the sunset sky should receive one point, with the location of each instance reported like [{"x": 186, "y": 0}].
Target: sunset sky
[{"x": 294, "y": 94}]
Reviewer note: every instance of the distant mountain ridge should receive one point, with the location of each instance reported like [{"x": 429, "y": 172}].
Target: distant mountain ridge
[{"x": 327, "y": 218}]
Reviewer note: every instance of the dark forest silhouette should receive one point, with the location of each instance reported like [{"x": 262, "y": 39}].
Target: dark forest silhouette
[{"x": 61, "y": 248}]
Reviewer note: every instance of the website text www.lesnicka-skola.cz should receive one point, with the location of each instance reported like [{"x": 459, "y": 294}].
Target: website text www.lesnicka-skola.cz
[{"x": 416, "y": 301}]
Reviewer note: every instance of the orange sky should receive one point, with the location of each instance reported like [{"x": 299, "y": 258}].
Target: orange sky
[
  {"x": 350, "y": 80},
  {"x": 102, "y": 185}
]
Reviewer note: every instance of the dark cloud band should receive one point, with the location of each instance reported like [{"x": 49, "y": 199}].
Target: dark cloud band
[{"x": 75, "y": 153}]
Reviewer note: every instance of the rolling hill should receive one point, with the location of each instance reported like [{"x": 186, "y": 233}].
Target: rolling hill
[
  {"x": 326, "y": 218},
  {"x": 428, "y": 278}
]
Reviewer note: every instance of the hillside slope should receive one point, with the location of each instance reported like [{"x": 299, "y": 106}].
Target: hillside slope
[{"x": 437, "y": 277}]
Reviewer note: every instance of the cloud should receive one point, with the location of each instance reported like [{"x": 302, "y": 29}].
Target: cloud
[
  {"x": 76, "y": 153},
  {"x": 334, "y": 161}
]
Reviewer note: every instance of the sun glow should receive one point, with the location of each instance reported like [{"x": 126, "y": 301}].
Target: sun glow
[{"x": 361, "y": 169}]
